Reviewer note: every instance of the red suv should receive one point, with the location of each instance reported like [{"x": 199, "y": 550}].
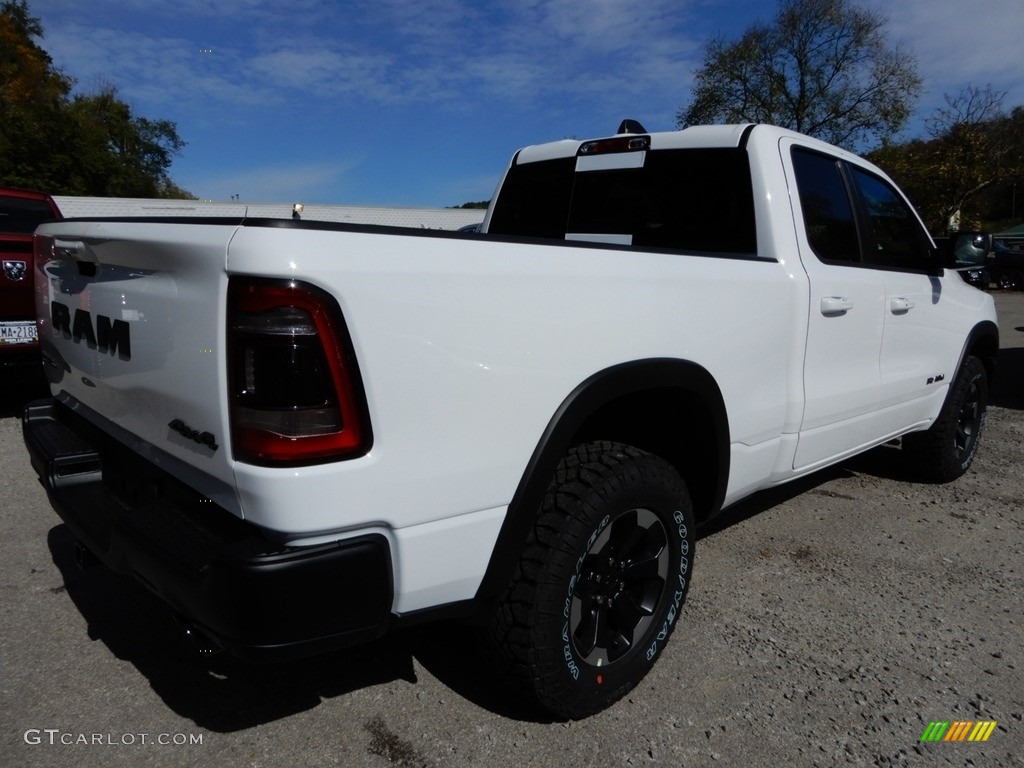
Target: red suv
[{"x": 21, "y": 211}]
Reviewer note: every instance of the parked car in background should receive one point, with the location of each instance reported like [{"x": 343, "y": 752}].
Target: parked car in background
[
  {"x": 1007, "y": 266},
  {"x": 21, "y": 211}
]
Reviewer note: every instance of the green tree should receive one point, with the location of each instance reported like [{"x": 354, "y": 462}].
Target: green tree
[
  {"x": 122, "y": 155},
  {"x": 822, "y": 67},
  {"x": 86, "y": 145},
  {"x": 975, "y": 147},
  {"x": 32, "y": 95}
]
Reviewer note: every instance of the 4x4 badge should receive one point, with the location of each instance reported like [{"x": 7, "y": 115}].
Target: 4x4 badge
[
  {"x": 15, "y": 270},
  {"x": 203, "y": 438}
]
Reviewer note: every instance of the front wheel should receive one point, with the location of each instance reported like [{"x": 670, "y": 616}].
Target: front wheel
[
  {"x": 946, "y": 450},
  {"x": 600, "y": 582}
]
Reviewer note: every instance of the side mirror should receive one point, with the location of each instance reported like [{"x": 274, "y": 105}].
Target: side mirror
[
  {"x": 971, "y": 249},
  {"x": 963, "y": 249}
]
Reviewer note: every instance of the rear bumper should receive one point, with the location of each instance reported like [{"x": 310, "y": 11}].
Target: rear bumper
[{"x": 253, "y": 597}]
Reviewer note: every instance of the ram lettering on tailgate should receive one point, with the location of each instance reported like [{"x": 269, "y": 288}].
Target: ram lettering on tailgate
[{"x": 108, "y": 335}]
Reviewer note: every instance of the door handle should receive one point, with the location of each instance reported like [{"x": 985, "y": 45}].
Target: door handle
[
  {"x": 835, "y": 305},
  {"x": 900, "y": 305},
  {"x": 73, "y": 249}
]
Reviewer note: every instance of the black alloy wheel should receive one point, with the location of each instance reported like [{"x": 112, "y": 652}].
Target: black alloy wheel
[{"x": 622, "y": 578}]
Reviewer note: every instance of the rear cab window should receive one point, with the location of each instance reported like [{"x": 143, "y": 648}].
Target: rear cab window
[{"x": 694, "y": 200}]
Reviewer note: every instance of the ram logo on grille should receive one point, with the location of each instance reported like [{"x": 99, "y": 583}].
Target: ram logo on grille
[{"x": 15, "y": 270}]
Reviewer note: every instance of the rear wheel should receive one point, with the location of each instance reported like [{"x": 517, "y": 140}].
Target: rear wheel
[
  {"x": 946, "y": 450},
  {"x": 600, "y": 582}
]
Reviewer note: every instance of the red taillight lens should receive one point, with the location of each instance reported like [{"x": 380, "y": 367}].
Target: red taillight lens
[{"x": 296, "y": 397}]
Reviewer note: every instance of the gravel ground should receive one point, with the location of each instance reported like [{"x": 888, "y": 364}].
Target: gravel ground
[{"x": 828, "y": 623}]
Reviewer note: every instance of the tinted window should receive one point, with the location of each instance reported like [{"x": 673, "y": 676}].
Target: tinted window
[
  {"x": 687, "y": 199},
  {"x": 534, "y": 199},
  {"x": 23, "y": 216},
  {"x": 828, "y": 214},
  {"x": 898, "y": 240},
  {"x": 693, "y": 200}
]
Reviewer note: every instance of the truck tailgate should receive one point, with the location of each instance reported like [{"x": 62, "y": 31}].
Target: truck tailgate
[{"x": 131, "y": 317}]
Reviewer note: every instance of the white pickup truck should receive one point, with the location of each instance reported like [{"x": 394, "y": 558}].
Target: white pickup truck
[{"x": 301, "y": 434}]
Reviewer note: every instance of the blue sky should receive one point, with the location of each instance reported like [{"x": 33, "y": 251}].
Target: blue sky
[{"x": 423, "y": 102}]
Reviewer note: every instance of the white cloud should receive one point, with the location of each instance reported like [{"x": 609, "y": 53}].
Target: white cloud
[
  {"x": 269, "y": 183},
  {"x": 320, "y": 72},
  {"x": 508, "y": 53},
  {"x": 610, "y": 26},
  {"x": 385, "y": 52},
  {"x": 959, "y": 43},
  {"x": 157, "y": 70}
]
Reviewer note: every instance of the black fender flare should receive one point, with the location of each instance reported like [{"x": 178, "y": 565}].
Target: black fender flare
[
  {"x": 600, "y": 389},
  {"x": 985, "y": 333}
]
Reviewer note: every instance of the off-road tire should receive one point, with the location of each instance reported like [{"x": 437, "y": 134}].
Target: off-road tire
[
  {"x": 600, "y": 582},
  {"x": 946, "y": 450}
]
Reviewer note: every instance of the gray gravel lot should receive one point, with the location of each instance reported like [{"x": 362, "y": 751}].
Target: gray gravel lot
[{"x": 829, "y": 622}]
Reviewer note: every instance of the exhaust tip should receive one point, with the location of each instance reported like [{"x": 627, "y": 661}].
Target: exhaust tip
[
  {"x": 84, "y": 558},
  {"x": 196, "y": 640}
]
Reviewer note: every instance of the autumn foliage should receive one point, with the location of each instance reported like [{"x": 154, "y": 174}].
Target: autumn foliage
[{"x": 75, "y": 145}]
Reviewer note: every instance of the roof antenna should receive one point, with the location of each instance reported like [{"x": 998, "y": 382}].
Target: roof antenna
[{"x": 631, "y": 126}]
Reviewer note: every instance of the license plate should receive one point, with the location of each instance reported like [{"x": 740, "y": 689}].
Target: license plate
[{"x": 18, "y": 332}]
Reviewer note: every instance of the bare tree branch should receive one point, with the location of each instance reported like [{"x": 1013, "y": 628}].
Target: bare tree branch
[{"x": 822, "y": 67}]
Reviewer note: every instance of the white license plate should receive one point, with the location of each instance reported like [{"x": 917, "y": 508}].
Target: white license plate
[{"x": 18, "y": 332}]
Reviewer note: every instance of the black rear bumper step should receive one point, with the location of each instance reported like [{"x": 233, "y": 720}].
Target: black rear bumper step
[
  {"x": 254, "y": 597},
  {"x": 62, "y": 458}
]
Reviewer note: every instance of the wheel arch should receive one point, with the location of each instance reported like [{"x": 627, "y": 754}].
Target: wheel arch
[
  {"x": 983, "y": 343},
  {"x": 671, "y": 408}
]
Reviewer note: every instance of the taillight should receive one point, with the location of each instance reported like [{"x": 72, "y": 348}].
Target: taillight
[{"x": 296, "y": 396}]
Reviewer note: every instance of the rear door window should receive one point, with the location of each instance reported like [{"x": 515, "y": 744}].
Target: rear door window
[{"x": 829, "y": 221}]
